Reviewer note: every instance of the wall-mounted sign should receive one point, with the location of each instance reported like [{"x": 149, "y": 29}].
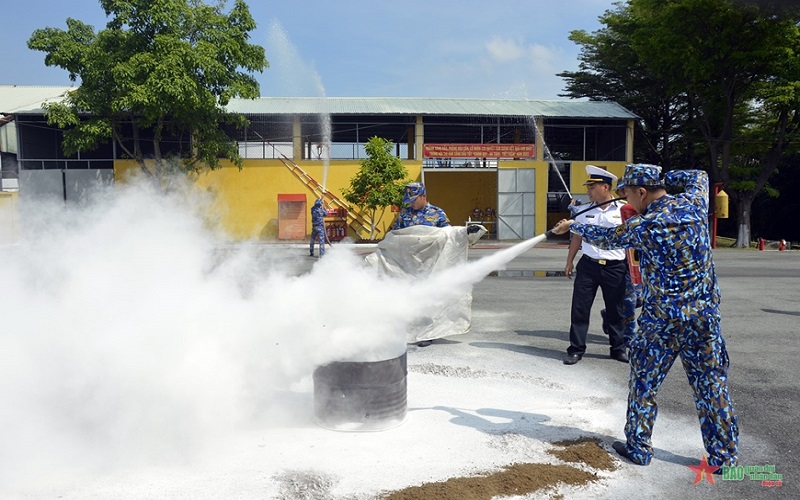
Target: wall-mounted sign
[{"x": 479, "y": 151}]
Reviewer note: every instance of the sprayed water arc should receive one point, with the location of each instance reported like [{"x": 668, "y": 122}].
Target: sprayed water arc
[
  {"x": 295, "y": 78},
  {"x": 548, "y": 156}
]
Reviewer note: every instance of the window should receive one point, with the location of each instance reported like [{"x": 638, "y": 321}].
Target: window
[{"x": 586, "y": 140}]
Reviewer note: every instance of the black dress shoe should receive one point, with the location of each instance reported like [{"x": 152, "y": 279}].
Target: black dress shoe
[
  {"x": 605, "y": 325},
  {"x": 620, "y": 356},
  {"x": 622, "y": 449},
  {"x": 571, "y": 359}
]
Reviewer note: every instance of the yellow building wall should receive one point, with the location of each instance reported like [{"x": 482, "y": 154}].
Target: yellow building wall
[
  {"x": 245, "y": 202},
  {"x": 9, "y": 222}
]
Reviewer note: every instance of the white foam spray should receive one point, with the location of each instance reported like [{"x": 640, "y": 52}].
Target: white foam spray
[
  {"x": 450, "y": 284},
  {"x": 133, "y": 333}
]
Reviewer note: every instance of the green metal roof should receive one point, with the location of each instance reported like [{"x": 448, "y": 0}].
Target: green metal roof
[
  {"x": 18, "y": 99},
  {"x": 428, "y": 106}
]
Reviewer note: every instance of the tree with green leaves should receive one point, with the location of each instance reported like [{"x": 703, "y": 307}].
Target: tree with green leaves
[
  {"x": 728, "y": 68},
  {"x": 610, "y": 70},
  {"x": 161, "y": 71},
  {"x": 379, "y": 182}
]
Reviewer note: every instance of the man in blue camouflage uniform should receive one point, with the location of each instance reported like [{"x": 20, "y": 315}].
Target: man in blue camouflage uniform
[
  {"x": 318, "y": 213},
  {"x": 680, "y": 314},
  {"x": 417, "y": 211}
]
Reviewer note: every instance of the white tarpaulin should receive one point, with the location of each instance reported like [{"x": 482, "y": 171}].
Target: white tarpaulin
[{"x": 419, "y": 251}]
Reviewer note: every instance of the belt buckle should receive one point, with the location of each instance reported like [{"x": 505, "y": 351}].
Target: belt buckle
[{"x": 602, "y": 262}]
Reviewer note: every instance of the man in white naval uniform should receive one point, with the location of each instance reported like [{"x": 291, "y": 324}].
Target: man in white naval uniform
[{"x": 605, "y": 269}]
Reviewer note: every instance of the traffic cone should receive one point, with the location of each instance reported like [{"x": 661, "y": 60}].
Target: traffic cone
[
  {"x": 761, "y": 244},
  {"x": 782, "y": 246}
]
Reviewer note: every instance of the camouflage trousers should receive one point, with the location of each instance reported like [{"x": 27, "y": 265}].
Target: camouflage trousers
[
  {"x": 632, "y": 301},
  {"x": 701, "y": 348},
  {"x": 317, "y": 233}
]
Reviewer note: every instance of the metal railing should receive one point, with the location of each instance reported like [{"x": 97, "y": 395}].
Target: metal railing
[
  {"x": 265, "y": 150},
  {"x": 338, "y": 150},
  {"x": 444, "y": 163}
]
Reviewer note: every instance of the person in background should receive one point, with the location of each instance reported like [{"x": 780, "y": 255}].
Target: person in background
[
  {"x": 574, "y": 207},
  {"x": 633, "y": 282},
  {"x": 318, "y": 213},
  {"x": 417, "y": 211},
  {"x": 680, "y": 313},
  {"x": 597, "y": 267}
]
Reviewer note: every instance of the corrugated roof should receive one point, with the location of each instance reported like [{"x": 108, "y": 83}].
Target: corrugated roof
[
  {"x": 28, "y": 99},
  {"x": 428, "y": 106}
]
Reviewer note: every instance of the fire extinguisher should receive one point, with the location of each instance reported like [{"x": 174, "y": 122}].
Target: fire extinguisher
[{"x": 627, "y": 212}]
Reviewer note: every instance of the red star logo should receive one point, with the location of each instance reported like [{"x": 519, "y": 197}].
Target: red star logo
[{"x": 703, "y": 471}]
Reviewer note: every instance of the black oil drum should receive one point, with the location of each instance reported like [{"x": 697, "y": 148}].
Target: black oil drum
[{"x": 361, "y": 395}]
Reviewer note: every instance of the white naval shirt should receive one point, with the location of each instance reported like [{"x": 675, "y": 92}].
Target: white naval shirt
[{"x": 606, "y": 216}]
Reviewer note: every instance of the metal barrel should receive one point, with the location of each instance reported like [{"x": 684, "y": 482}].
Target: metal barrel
[{"x": 361, "y": 395}]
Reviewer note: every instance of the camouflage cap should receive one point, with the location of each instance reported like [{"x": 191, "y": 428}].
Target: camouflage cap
[
  {"x": 412, "y": 191},
  {"x": 641, "y": 174}
]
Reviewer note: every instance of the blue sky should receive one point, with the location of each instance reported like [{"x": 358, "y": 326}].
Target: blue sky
[{"x": 367, "y": 48}]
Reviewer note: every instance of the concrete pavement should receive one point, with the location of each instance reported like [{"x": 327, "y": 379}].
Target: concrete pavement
[
  {"x": 760, "y": 312},
  {"x": 521, "y": 319}
]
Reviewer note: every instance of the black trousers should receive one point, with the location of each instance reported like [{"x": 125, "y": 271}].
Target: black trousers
[{"x": 610, "y": 278}]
